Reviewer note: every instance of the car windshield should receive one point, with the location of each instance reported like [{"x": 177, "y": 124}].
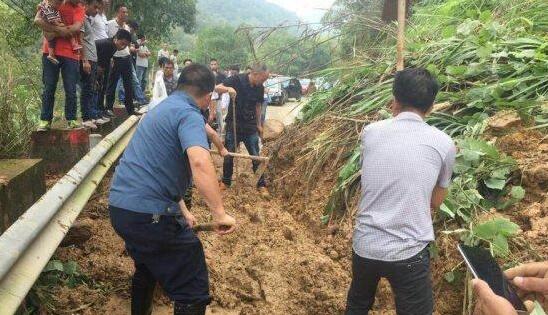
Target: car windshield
[
  {"x": 304, "y": 82},
  {"x": 272, "y": 83},
  {"x": 284, "y": 81}
]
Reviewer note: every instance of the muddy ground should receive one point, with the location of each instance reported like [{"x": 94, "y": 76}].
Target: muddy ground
[{"x": 282, "y": 260}]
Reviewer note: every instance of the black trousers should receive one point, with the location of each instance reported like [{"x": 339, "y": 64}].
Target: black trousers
[
  {"x": 165, "y": 250},
  {"x": 410, "y": 281},
  {"x": 121, "y": 67}
]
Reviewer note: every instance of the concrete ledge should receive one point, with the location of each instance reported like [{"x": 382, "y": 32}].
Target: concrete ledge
[
  {"x": 21, "y": 184},
  {"x": 60, "y": 148}
]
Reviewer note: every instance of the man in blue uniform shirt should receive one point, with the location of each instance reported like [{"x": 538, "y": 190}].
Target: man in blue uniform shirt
[{"x": 167, "y": 152}]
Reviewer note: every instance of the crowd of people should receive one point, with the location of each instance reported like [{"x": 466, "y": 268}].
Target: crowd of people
[{"x": 406, "y": 164}]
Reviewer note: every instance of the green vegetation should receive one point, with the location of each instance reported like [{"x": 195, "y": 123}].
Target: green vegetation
[
  {"x": 237, "y": 12},
  {"x": 488, "y": 56}
]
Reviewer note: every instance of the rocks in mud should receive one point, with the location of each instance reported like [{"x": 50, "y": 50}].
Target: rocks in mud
[
  {"x": 332, "y": 229},
  {"x": 504, "y": 121},
  {"x": 289, "y": 233},
  {"x": 78, "y": 234},
  {"x": 272, "y": 129}
]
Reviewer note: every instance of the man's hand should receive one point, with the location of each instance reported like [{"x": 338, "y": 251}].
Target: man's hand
[
  {"x": 532, "y": 282},
  {"x": 212, "y": 116},
  {"x": 223, "y": 152},
  {"x": 488, "y": 302},
  {"x": 232, "y": 93},
  {"x": 86, "y": 66},
  {"x": 225, "y": 223}
]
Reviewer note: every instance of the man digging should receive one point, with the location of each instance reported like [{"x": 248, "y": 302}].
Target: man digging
[{"x": 167, "y": 152}]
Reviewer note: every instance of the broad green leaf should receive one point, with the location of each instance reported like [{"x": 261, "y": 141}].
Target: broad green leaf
[
  {"x": 500, "y": 245},
  {"x": 71, "y": 268},
  {"x": 472, "y": 156},
  {"x": 467, "y": 27},
  {"x": 500, "y": 173},
  {"x": 490, "y": 229},
  {"x": 54, "y": 265},
  {"x": 449, "y": 276},
  {"x": 485, "y": 16},
  {"x": 517, "y": 192},
  {"x": 495, "y": 183},
  {"x": 445, "y": 209}
]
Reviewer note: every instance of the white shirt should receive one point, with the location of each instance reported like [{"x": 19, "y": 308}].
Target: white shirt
[
  {"x": 403, "y": 159},
  {"x": 163, "y": 53},
  {"x": 142, "y": 62},
  {"x": 112, "y": 29},
  {"x": 99, "y": 25},
  {"x": 175, "y": 64}
]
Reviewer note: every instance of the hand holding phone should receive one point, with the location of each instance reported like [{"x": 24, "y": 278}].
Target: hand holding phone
[{"x": 495, "y": 293}]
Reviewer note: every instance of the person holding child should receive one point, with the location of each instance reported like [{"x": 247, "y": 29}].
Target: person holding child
[{"x": 64, "y": 58}]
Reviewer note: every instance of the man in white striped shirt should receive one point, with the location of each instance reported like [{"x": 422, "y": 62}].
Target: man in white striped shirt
[{"x": 406, "y": 169}]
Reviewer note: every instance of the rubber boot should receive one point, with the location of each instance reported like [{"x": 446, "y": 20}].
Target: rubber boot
[
  {"x": 142, "y": 293},
  {"x": 189, "y": 309}
]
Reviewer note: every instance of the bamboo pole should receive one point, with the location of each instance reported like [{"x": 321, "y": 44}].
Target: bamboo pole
[{"x": 401, "y": 34}]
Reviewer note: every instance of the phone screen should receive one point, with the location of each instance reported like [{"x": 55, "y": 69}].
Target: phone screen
[{"x": 483, "y": 266}]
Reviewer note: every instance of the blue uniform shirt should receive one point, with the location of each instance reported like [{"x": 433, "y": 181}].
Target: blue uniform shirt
[{"x": 154, "y": 172}]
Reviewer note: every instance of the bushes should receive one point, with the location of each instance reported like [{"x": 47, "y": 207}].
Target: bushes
[{"x": 19, "y": 106}]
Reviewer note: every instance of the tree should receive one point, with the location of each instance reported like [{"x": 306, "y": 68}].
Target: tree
[
  {"x": 221, "y": 42},
  {"x": 157, "y": 18}
]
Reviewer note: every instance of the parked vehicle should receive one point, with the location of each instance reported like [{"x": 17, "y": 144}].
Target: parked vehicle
[
  {"x": 294, "y": 89},
  {"x": 305, "y": 83},
  {"x": 275, "y": 91}
]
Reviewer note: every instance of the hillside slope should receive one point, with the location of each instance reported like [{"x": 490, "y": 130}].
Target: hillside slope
[{"x": 236, "y": 12}]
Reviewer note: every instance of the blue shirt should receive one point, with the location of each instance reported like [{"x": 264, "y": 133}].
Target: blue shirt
[{"x": 154, "y": 172}]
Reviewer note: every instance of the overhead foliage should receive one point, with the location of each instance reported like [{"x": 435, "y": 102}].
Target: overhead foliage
[{"x": 157, "y": 18}]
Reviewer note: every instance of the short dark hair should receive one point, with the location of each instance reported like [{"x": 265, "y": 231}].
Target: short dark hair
[
  {"x": 415, "y": 87},
  {"x": 168, "y": 62},
  {"x": 162, "y": 61},
  {"x": 123, "y": 35},
  {"x": 118, "y": 6},
  {"x": 133, "y": 24},
  {"x": 175, "y": 50},
  {"x": 187, "y": 59},
  {"x": 234, "y": 68},
  {"x": 197, "y": 79},
  {"x": 213, "y": 59},
  {"x": 141, "y": 36}
]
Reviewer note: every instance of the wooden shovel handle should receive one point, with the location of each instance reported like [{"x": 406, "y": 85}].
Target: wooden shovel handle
[{"x": 243, "y": 156}]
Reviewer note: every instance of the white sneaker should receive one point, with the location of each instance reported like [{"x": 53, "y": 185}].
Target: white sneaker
[
  {"x": 89, "y": 124},
  {"x": 102, "y": 120}
]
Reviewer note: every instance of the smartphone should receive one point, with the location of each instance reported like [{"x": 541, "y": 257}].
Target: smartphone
[{"x": 483, "y": 266}]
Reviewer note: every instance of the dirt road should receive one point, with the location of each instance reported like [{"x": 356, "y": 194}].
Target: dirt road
[{"x": 286, "y": 113}]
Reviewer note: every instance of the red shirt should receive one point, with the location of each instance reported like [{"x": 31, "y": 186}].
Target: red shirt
[{"x": 70, "y": 14}]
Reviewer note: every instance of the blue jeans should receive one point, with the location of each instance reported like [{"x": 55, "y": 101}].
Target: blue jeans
[
  {"x": 409, "y": 279},
  {"x": 142, "y": 76},
  {"x": 50, "y": 76},
  {"x": 88, "y": 93},
  {"x": 251, "y": 143},
  {"x": 137, "y": 90}
]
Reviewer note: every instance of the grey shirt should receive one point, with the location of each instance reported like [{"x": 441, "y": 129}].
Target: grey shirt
[
  {"x": 88, "y": 40},
  {"x": 403, "y": 159}
]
